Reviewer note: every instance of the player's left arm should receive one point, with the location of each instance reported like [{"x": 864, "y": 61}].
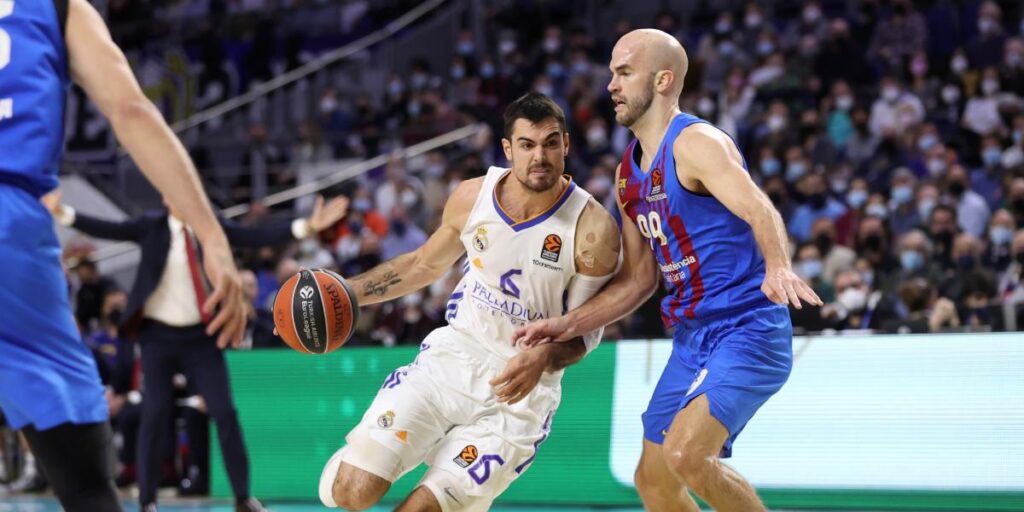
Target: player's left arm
[
  {"x": 707, "y": 158},
  {"x": 597, "y": 252}
]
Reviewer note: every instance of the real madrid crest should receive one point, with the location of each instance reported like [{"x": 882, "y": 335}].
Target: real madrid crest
[
  {"x": 386, "y": 420},
  {"x": 480, "y": 240}
]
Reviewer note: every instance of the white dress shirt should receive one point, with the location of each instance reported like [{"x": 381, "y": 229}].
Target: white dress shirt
[{"x": 173, "y": 302}]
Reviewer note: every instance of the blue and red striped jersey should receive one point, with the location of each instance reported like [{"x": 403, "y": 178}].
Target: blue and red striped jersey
[{"x": 708, "y": 256}]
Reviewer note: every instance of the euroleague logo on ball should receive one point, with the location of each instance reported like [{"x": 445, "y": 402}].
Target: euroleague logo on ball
[{"x": 306, "y": 292}]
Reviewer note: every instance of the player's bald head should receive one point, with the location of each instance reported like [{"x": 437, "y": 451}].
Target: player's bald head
[{"x": 651, "y": 51}]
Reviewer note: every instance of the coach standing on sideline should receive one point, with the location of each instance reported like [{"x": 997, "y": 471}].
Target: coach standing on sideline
[{"x": 164, "y": 311}]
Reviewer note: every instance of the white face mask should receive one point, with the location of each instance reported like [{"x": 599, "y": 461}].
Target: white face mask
[
  {"x": 890, "y": 93},
  {"x": 990, "y": 87},
  {"x": 844, "y": 102},
  {"x": 853, "y": 299},
  {"x": 958, "y": 64},
  {"x": 950, "y": 94}
]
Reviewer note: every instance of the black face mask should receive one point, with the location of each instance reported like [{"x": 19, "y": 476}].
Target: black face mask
[
  {"x": 817, "y": 201},
  {"x": 824, "y": 243},
  {"x": 775, "y": 197},
  {"x": 873, "y": 242},
  {"x": 981, "y": 314},
  {"x": 1019, "y": 257},
  {"x": 398, "y": 228},
  {"x": 1018, "y": 205},
  {"x": 965, "y": 262},
  {"x": 945, "y": 239},
  {"x": 114, "y": 316},
  {"x": 957, "y": 188}
]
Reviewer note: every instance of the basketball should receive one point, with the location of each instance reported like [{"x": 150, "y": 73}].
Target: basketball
[{"x": 315, "y": 311}]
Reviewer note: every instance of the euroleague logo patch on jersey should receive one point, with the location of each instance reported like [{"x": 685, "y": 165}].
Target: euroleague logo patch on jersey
[
  {"x": 657, "y": 180},
  {"x": 622, "y": 187},
  {"x": 467, "y": 456},
  {"x": 552, "y": 247}
]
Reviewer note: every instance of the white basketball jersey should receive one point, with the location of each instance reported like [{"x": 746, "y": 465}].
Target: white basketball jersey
[{"x": 515, "y": 272}]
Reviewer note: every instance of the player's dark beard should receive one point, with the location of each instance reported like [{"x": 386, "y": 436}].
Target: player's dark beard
[
  {"x": 638, "y": 106},
  {"x": 543, "y": 186}
]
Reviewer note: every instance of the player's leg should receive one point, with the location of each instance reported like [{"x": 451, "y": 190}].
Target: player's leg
[
  {"x": 76, "y": 459},
  {"x": 420, "y": 500},
  {"x": 476, "y": 462},
  {"x": 48, "y": 378},
  {"x": 749, "y": 358},
  {"x": 398, "y": 429},
  {"x": 691, "y": 451},
  {"x": 659, "y": 488}
]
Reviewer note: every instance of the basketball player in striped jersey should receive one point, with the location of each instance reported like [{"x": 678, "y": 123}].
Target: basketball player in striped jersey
[
  {"x": 693, "y": 211},
  {"x": 49, "y": 384},
  {"x": 471, "y": 406}
]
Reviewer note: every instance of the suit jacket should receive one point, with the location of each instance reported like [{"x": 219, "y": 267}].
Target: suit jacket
[{"x": 153, "y": 234}]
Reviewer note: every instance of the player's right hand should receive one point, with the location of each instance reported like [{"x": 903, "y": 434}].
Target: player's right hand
[
  {"x": 227, "y": 299},
  {"x": 542, "y": 331}
]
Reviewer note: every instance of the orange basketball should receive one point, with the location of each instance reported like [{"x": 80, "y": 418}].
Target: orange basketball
[{"x": 315, "y": 311}]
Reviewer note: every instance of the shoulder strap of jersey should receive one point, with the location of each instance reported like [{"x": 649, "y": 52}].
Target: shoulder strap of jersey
[
  {"x": 625, "y": 171},
  {"x": 62, "y": 14}
]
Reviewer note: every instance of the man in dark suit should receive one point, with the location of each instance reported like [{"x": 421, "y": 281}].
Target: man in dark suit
[{"x": 165, "y": 313}]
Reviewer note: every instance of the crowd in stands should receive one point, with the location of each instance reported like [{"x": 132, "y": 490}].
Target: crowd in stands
[{"x": 888, "y": 134}]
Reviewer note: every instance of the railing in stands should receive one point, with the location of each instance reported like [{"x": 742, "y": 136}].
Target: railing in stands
[{"x": 339, "y": 176}]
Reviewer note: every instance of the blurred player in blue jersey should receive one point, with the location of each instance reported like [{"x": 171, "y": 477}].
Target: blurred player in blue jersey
[
  {"x": 49, "y": 384},
  {"x": 687, "y": 196}
]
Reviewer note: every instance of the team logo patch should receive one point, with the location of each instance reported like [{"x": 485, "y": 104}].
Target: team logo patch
[
  {"x": 467, "y": 456},
  {"x": 386, "y": 420},
  {"x": 480, "y": 240},
  {"x": 552, "y": 247},
  {"x": 657, "y": 180},
  {"x": 622, "y": 186}
]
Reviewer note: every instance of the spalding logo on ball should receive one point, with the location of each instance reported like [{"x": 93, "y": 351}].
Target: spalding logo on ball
[{"x": 315, "y": 311}]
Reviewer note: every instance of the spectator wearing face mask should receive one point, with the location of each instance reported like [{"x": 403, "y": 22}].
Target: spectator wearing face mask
[
  {"x": 981, "y": 114},
  {"x": 808, "y": 264},
  {"x": 947, "y": 112},
  {"x": 403, "y": 236},
  {"x": 972, "y": 210},
  {"x": 987, "y": 180},
  {"x": 942, "y": 229},
  {"x": 856, "y": 199},
  {"x": 835, "y": 258},
  {"x": 915, "y": 255},
  {"x": 1014, "y": 155},
  {"x": 1011, "y": 70},
  {"x": 872, "y": 244},
  {"x": 777, "y": 191},
  {"x": 987, "y": 47},
  {"x": 904, "y": 215},
  {"x": 862, "y": 146},
  {"x": 979, "y": 307},
  {"x": 967, "y": 251},
  {"x": 1000, "y": 233},
  {"x": 902, "y": 34},
  {"x": 896, "y": 111},
  {"x": 818, "y": 204},
  {"x": 855, "y": 304}
]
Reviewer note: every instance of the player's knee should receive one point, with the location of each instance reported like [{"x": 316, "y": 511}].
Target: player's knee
[
  {"x": 689, "y": 465},
  {"x": 348, "y": 497}
]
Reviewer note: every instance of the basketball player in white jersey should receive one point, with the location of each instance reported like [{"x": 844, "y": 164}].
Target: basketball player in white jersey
[{"x": 471, "y": 406}]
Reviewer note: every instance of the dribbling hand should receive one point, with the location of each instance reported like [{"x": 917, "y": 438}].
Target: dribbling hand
[
  {"x": 227, "y": 298},
  {"x": 782, "y": 286},
  {"x": 520, "y": 376}
]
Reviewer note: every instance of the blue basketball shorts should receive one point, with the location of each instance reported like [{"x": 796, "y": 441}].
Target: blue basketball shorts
[
  {"x": 47, "y": 374},
  {"x": 738, "y": 361}
]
